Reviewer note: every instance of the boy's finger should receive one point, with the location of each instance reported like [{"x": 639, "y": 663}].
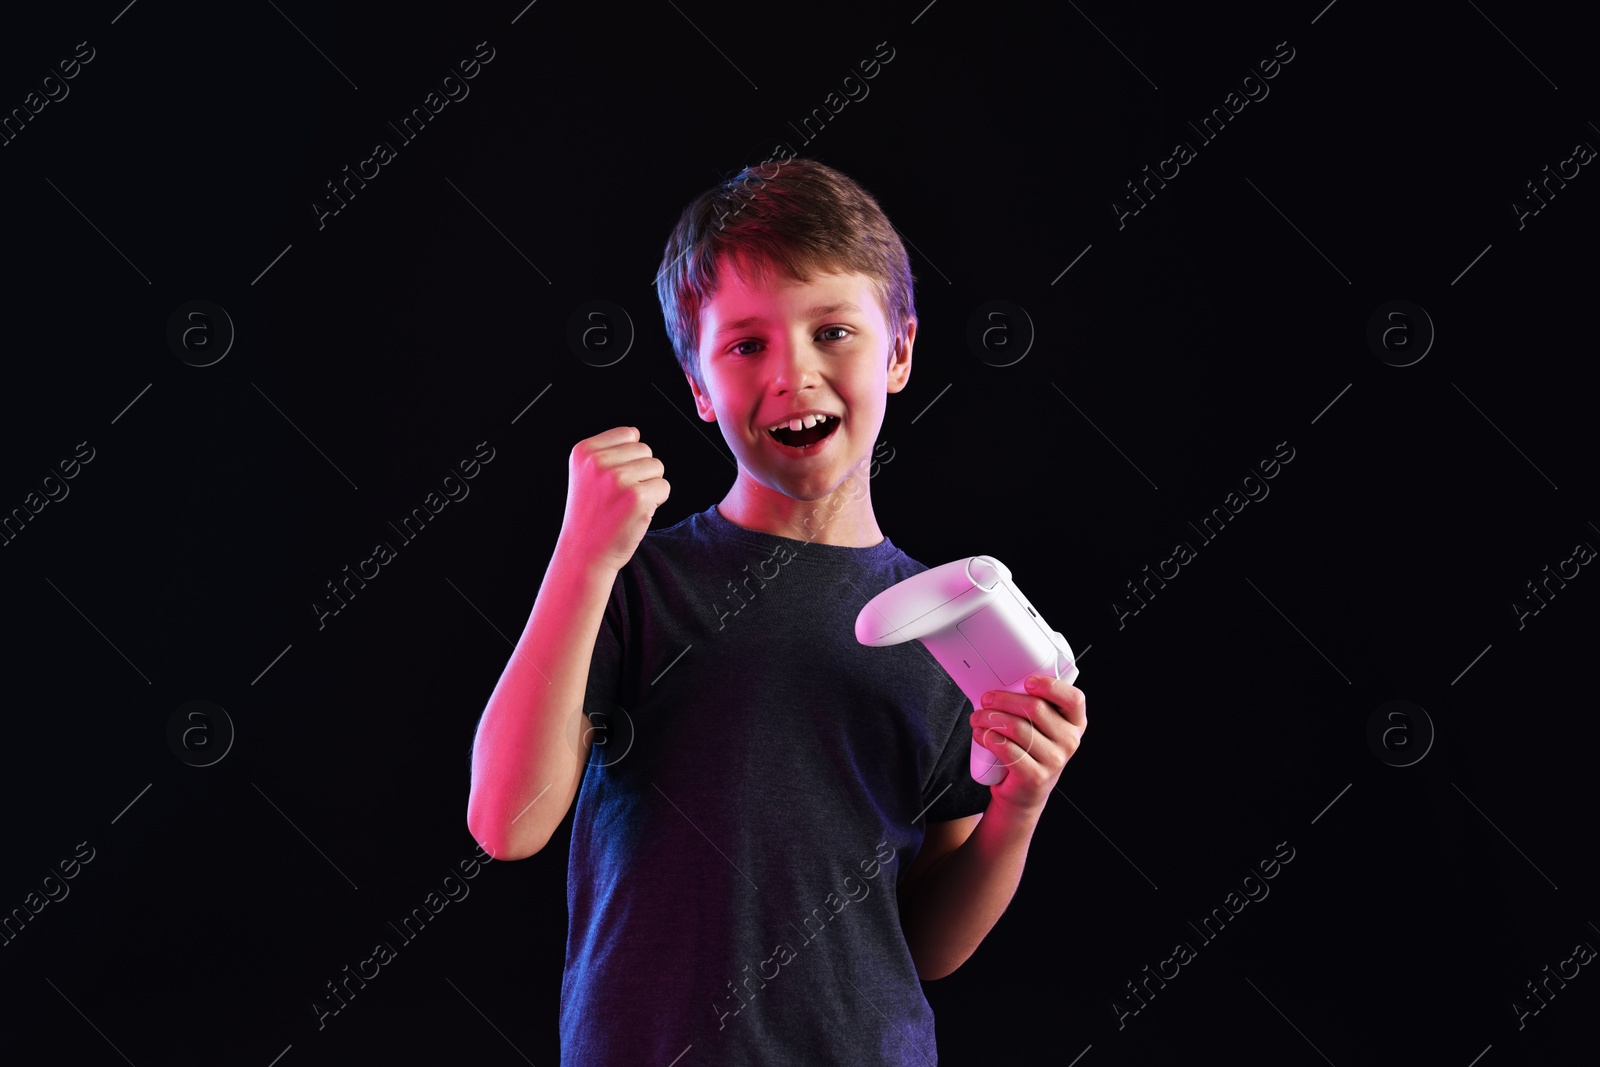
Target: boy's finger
[
  {"x": 1069, "y": 698},
  {"x": 1019, "y": 729},
  {"x": 617, "y": 435},
  {"x": 1046, "y": 718},
  {"x": 1005, "y": 748}
]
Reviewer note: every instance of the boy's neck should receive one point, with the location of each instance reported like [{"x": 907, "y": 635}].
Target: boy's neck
[{"x": 844, "y": 517}]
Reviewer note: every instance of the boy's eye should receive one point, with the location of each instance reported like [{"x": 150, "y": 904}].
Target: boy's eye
[{"x": 739, "y": 349}]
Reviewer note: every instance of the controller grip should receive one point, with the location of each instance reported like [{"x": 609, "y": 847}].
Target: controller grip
[{"x": 985, "y": 766}]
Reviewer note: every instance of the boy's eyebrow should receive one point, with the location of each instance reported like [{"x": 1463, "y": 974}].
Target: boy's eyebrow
[{"x": 815, "y": 313}]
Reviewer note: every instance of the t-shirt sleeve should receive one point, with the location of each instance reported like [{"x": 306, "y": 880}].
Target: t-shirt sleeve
[{"x": 951, "y": 793}]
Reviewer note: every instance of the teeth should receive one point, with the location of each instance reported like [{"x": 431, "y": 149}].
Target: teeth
[{"x": 804, "y": 423}]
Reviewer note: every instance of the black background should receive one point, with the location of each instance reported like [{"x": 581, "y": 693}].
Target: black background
[{"x": 1179, "y": 350}]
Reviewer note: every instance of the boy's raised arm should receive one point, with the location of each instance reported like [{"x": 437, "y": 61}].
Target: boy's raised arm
[{"x": 532, "y": 742}]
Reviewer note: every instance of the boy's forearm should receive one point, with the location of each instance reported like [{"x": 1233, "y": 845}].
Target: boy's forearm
[
  {"x": 958, "y": 900},
  {"x": 530, "y": 747}
]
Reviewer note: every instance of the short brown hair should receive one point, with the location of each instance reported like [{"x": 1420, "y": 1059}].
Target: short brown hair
[{"x": 798, "y": 215}]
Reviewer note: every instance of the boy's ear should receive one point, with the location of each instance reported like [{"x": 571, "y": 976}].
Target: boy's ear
[
  {"x": 702, "y": 402},
  {"x": 900, "y": 357}
]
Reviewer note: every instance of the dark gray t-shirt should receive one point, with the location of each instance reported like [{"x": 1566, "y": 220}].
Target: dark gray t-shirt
[{"x": 759, "y": 784}]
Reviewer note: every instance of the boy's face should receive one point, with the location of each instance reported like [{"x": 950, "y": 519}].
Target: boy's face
[{"x": 772, "y": 351}]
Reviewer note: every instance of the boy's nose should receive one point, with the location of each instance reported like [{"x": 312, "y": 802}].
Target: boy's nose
[{"x": 796, "y": 366}]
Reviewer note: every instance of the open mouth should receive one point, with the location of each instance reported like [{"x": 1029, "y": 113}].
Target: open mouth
[{"x": 805, "y": 437}]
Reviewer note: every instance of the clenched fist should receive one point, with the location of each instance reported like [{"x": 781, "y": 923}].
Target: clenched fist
[{"x": 614, "y": 485}]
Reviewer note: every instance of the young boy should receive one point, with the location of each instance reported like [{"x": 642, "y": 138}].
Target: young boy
[{"x": 778, "y": 833}]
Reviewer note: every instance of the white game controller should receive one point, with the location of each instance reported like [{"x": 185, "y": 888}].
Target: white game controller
[{"x": 980, "y": 628}]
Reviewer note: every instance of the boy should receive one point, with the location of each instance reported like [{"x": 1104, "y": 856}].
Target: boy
[{"x": 786, "y": 835}]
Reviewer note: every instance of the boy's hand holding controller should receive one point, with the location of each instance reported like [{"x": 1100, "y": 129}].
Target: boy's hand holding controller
[
  {"x": 1033, "y": 735},
  {"x": 533, "y": 741},
  {"x": 1028, "y": 718}
]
